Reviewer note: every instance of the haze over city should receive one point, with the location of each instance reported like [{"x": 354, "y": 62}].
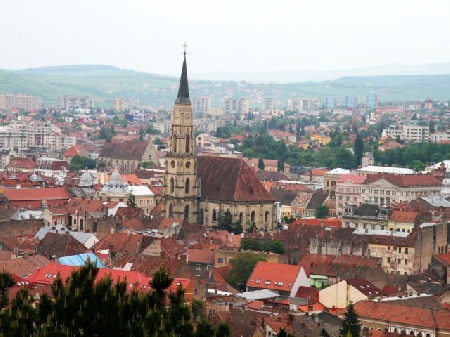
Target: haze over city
[{"x": 227, "y": 36}]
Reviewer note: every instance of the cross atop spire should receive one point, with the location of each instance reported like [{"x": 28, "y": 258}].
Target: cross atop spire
[{"x": 183, "y": 91}]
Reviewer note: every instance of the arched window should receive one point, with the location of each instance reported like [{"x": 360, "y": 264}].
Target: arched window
[
  {"x": 187, "y": 143},
  {"x": 172, "y": 163},
  {"x": 241, "y": 218},
  {"x": 186, "y": 212},
  {"x": 174, "y": 140},
  {"x": 266, "y": 216},
  {"x": 200, "y": 216},
  {"x": 252, "y": 216},
  {"x": 172, "y": 185},
  {"x": 170, "y": 211},
  {"x": 214, "y": 215},
  {"x": 186, "y": 186},
  {"x": 188, "y": 164}
]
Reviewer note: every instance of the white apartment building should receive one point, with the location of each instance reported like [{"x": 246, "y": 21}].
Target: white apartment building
[
  {"x": 301, "y": 104},
  {"x": 410, "y": 133},
  {"x": 239, "y": 106},
  {"x": 201, "y": 105}
]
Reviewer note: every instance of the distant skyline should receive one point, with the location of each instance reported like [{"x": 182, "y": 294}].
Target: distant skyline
[{"x": 226, "y": 36}]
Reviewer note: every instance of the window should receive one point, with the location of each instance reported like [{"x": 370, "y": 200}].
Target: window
[
  {"x": 406, "y": 250},
  {"x": 186, "y": 186},
  {"x": 388, "y": 259},
  {"x": 406, "y": 261},
  {"x": 220, "y": 260},
  {"x": 214, "y": 216},
  {"x": 172, "y": 185},
  {"x": 399, "y": 249},
  {"x": 395, "y": 249},
  {"x": 172, "y": 163}
]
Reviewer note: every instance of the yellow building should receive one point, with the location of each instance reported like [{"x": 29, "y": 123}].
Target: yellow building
[{"x": 321, "y": 139}]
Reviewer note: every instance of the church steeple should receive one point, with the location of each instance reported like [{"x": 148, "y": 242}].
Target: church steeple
[{"x": 183, "y": 91}]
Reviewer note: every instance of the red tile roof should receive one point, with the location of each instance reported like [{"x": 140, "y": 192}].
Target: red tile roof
[
  {"x": 364, "y": 286},
  {"x": 71, "y": 152},
  {"x": 403, "y": 216},
  {"x": 274, "y": 276},
  {"x": 230, "y": 179},
  {"x": 200, "y": 256},
  {"x": 352, "y": 178},
  {"x": 408, "y": 180},
  {"x": 35, "y": 194}
]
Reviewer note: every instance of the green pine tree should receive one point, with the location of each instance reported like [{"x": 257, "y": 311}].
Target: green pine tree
[{"x": 350, "y": 324}]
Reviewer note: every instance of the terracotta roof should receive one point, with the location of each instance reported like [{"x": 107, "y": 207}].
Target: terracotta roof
[
  {"x": 319, "y": 171},
  {"x": 353, "y": 178},
  {"x": 131, "y": 179},
  {"x": 200, "y": 256},
  {"x": 229, "y": 179},
  {"x": 25, "y": 265},
  {"x": 21, "y": 163},
  {"x": 38, "y": 194},
  {"x": 318, "y": 264},
  {"x": 404, "y": 315},
  {"x": 408, "y": 180},
  {"x": 403, "y": 216},
  {"x": 145, "y": 264},
  {"x": 310, "y": 293},
  {"x": 122, "y": 242},
  {"x": 271, "y": 175},
  {"x": 133, "y": 150},
  {"x": 47, "y": 274},
  {"x": 360, "y": 261},
  {"x": 444, "y": 258},
  {"x": 54, "y": 244},
  {"x": 275, "y": 276},
  {"x": 71, "y": 152}
]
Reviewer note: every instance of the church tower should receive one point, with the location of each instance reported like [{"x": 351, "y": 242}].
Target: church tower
[{"x": 180, "y": 178}]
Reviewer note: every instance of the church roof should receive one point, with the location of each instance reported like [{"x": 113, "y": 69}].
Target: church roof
[
  {"x": 229, "y": 179},
  {"x": 128, "y": 150},
  {"x": 183, "y": 90}
]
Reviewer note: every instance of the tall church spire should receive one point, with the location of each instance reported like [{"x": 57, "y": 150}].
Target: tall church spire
[{"x": 183, "y": 91}]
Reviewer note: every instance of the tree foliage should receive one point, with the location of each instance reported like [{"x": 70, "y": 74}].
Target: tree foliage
[
  {"x": 83, "y": 307},
  {"x": 262, "y": 246},
  {"x": 80, "y": 163},
  {"x": 225, "y": 222},
  {"x": 241, "y": 268},
  {"x": 321, "y": 212},
  {"x": 350, "y": 324},
  {"x": 358, "y": 149}
]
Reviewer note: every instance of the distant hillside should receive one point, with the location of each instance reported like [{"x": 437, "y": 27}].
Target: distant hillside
[{"x": 104, "y": 83}]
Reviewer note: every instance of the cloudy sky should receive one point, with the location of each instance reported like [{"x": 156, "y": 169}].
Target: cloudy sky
[{"x": 231, "y": 35}]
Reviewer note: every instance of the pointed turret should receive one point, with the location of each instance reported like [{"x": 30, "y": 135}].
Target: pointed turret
[{"x": 183, "y": 91}]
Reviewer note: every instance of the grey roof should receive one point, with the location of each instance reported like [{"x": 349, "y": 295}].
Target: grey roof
[
  {"x": 79, "y": 236},
  {"x": 258, "y": 294},
  {"x": 183, "y": 90},
  {"x": 436, "y": 201},
  {"x": 367, "y": 210},
  {"x": 23, "y": 214}
]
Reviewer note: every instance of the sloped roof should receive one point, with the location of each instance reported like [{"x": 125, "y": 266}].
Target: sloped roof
[
  {"x": 364, "y": 286},
  {"x": 285, "y": 197},
  {"x": 60, "y": 245},
  {"x": 403, "y": 216},
  {"x": 81, "y": 260},
  {"x": 122, "y": 242},
  {"x": 275, "y": 276},
  {"x": 264, "y": 175},
  {"x": 131, "y": 150},
  {"x": 200, "y": 256},
  {"x": 229, "y": 179},
  {"x": 37, "y": 194},
  {"x": 71, "y": 152},
  {"x": 408, "y": 180},
  {"x": 317, "y": 199},
  {"x": 353, "y": 178}
]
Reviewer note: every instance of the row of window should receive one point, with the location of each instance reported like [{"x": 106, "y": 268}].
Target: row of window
[{"x": 397, "y": 260}]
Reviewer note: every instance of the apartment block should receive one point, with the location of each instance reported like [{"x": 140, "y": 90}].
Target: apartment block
[
  {"x": 74, "y": 102},
  {"x": 238, "y": 106},
  {"x": 10, "y": 102},
  {"x": 304, "y": 104},
  {"x": 201, "y": 105}
]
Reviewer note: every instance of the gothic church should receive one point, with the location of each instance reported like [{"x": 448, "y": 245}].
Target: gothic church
[{"x": 200, "y": 188}]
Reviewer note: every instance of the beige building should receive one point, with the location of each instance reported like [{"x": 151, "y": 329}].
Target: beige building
[
  {"x": 348, "y": 191},
  {"x": 340, "y": 294},
  {"x": 384, "y": 189},
  {"x": 10, "y": 102}
]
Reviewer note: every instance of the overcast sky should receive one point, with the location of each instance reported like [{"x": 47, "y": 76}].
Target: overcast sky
[{"x": 231, "y": 35}]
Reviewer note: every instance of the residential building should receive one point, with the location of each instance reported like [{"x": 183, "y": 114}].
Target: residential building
[
  {"x": 238, "y": 106},
  {"x": 201, "y": 105},
  {"x": 384, "y": 189},
  {"x": 415, "y": 133},
  {"x": 348, "y": 191},
  {"x": 372, "y": 100},
  {"x": 9, "y": 102},
  {"x": 340, "y": 294},
  {"x": 331, "y": 102},
  {"x": 268, "y": 104},
  {"x": 304, "y": 104},
  {"x": 74, "y": 102},
  {"x": 351, "y": 101},
  {"x": 284, "y": 278}
]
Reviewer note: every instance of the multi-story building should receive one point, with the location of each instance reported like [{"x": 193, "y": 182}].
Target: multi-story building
[
  {"x": 238, "y": 106},
  {"x": 348, "y": 191},
  {"x": 351, "y": 101},
  {"x": 10, "y": 102},
  {"x": 331, "y": 102},
  {"x": 384, "y": 189},
  {"x": 268, "y": 104},
  {"x": 372, "y": 100},
  {"x": 415, "y": 133},
  {"x": 201, "y": 105},
  {"x": 304, "y": 104},
  {"x": 121, "y": 104},
  {"x": 73, "y": 102}
]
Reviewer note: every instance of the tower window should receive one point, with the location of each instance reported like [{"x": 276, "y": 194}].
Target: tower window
[
  {"x": 214, "y": 217},
  {"x": 186, "y": 186},
  {"x": 187, "y": 144},
  {"x": 188, "y": 164},
  {"x": 172, "y": 163},
  {"x": 252, "y": 216},
  {"x": 172, "y": 185}
]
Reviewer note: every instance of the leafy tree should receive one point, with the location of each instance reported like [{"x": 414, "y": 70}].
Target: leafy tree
[
  {"x": 158, "y": 141},
  {"x": 358, "y": 149},
  {"x": 261, "y": 165},
  {"x": 280, "y": 166},
  {"x": 147, "y": 164},
  {"x": 321, "y": 212},
  {"x": 197, "y": 309},
  {"x": 223, "y": 330},
  {"x": 6, "y": 282},
  {"x": 350, "y": 324},
  {"x": 132, "y": 200},
  {"x": 225, "y": 222},
  {"x": 79, "y": 163},
  {"x": 241, "y": 268}
]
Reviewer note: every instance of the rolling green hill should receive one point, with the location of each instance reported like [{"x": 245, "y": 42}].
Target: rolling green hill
[{"x": 104, "y": 83}]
